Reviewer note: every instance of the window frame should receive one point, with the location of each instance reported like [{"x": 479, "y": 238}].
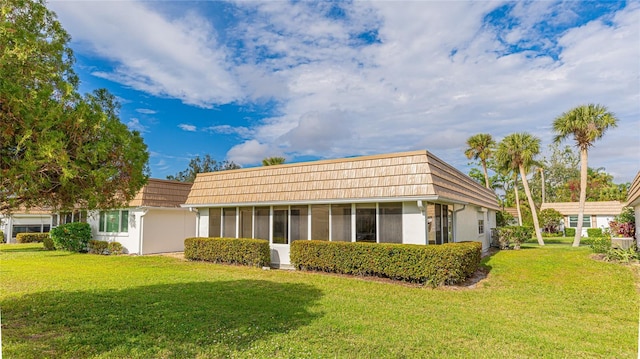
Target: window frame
[{"x": 123, "y": 221}]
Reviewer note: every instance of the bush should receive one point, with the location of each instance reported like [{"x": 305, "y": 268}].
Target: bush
[
  {"x": 72, "y": 237},
  {"x": 594, "y": 232},
  {"x": 97, "y": 247},
  {"x": 104, "y": 247},
  {"x": 251, "y": 252},
  {"x": 551, "y": 234},
  {"x": 504, "y": 218},
  {"x": 115, "y": 248},
  {"x": 600, "y": 244},
  {"x": 434, "y": 265},
  {"x": 550, "y": 220},
  {"x": 515, "y": 235},
  {"x": 569, "y": 232},
  {"x": 47, "y": 243},
  {"x": 31, "y": 237},
  {"x": 2, "y": 239}
]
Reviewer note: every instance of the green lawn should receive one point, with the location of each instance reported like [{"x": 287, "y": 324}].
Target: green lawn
[{"x": 551, "y": 301}]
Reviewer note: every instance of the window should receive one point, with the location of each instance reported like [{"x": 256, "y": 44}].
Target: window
[
  {"x": 114, "y": 221},
  {"x": 341, "y": 222},
  {"x": 586, "y": 221},
  {"x": 280, "y": 225},
  {"x": 71, "y": 217},
  {"x": 262, "y": 223},
  {"x": 246, "y": 224},
  {"x": 320, "y": 222},
  {"x": 30, "y": 228},
  {"x": 390, "y": 216},
  {"x": 481, "y": 226},
  {"x": 299, "y": 222},
  {"x": 440, "y": 223},
  {"x": 366, "y": 222},
  {"x": 229, "y": 222},
  {"x": 215, "y": 224}
]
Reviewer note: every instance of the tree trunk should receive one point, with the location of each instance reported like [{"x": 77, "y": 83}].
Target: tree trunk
[
  {"x": 583, "y": 194},
  {"x": 534, "y": 213},
  {"x": 486, "y": 174},
  {"x": 515, "y": 188}
]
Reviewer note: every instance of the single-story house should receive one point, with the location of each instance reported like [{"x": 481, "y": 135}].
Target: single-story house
[
  {"x": 32, "y": 220},
  {"x": 153, "y": 222},
  {"x": 596, "y": 214},
  {"x": 411, "y": 197},
  {"x": 633, "y": 200}
]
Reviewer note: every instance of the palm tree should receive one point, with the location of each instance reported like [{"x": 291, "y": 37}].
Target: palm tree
[
  {"x": 586, "y": 123},
  {"x": 481, "y": 147},
  {"x": 272, "y": 161},
  {"x": 517, "y": 151}
]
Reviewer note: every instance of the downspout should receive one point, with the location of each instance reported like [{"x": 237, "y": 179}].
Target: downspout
[
  {"x": 192, "y": 209},
  {"x": 426, "y": 224},
  {"x": 141, "y": 231}
]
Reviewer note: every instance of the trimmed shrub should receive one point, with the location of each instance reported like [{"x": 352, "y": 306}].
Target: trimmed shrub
[
  {"x": 600, "y": 244},
  {"x": 47, "y": 243},
  {"x": 31, "y": 237},
  {"x": 569, "y": 232},
  {"x": 244, "y": 251},
  {"x": 72, "y": 237},
  {"x": 115, "y": 248},
  {"x": 97, "y": 247},
  {"x": 433, "y": 265},
  {"x": 515, "y": 235},
  {"x": 594, "y": 232},
  {"x": 2, "y": 239}
]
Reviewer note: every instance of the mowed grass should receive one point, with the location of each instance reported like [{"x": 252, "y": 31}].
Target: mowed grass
[{"x": 551, "y": 301}]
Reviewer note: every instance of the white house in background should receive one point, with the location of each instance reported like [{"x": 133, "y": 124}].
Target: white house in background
[
  {"x": 633, "y": 200},
  {"x": 412, "y": 198},
  {"x": 153, "y": 222},
  {"x": 33, "y": 220},
  {"x": 596, "y": 214}
]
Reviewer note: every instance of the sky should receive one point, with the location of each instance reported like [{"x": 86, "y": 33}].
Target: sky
[{"x": 305, "y": 80}]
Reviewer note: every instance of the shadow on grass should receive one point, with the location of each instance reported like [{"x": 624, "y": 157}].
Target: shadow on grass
[
  {"x": 21, "y": 247},
  {"x": 171, "y": 320}
]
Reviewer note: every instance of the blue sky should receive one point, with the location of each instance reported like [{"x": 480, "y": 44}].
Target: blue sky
[{"x": 312, "y": 80}]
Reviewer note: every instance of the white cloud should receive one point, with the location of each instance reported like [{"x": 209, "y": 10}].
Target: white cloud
[
  {"x": 146, "y": 111},
  {"x": 188, "y": 128},
  {"x": 250, "y": 152},
  {"x": 230, "y": 130},
  {"x": 437, "y": 75},
  {"x": 135, "y": 125},
  {"x": 177, "y": 58}
]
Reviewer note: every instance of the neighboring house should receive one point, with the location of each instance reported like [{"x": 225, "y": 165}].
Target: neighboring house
[
  {"x": 596, "y": 214},
  {"x": 514, "y": 212},
  {"x": 33, "y": 220},
  {"x": 153, "y": 222},
  {"x": 633, "y": 200},
  {"x": 411, "y": 197}
]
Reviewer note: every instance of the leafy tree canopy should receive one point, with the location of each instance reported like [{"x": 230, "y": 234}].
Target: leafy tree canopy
[
  {"x": 272, "y": 161},
  {"x": 202, "y": 165},
  {"x": 58, "y": 148}
]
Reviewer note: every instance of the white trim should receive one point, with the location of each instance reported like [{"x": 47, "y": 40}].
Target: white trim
[{"x": 327, "y": 201}]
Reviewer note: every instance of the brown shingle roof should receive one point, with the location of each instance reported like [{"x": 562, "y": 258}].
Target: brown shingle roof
[
  {"x": 512, "y": 211},
  {"x": 161, "y": 193},
  {"x": 591, "y": 208},
  {"x": 414, "y": 175},
  {"x": 633, "y": 196}
]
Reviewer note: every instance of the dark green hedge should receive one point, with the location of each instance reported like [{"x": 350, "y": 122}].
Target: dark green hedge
[
  {"x": 31, "y": 237},
  {"x": 104, "y": 247},
  {"x": 251, "y": 252},
  {"x": 72, "y": 237},
  {"x": 432, "y": 265},
  {"x": 594, "y": 232},
  {"x": 569, "y": 232}
]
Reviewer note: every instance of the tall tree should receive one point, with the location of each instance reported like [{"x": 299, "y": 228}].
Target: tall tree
[
  {"x": 202, "y": 165},
  {"x": 518, "y": 151},
  {"x": 57, "y": 147},
  {"x": 480, "y": 147},
  {"x": 272, "y": 161},
  {"x": 586, "y": 124}
]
